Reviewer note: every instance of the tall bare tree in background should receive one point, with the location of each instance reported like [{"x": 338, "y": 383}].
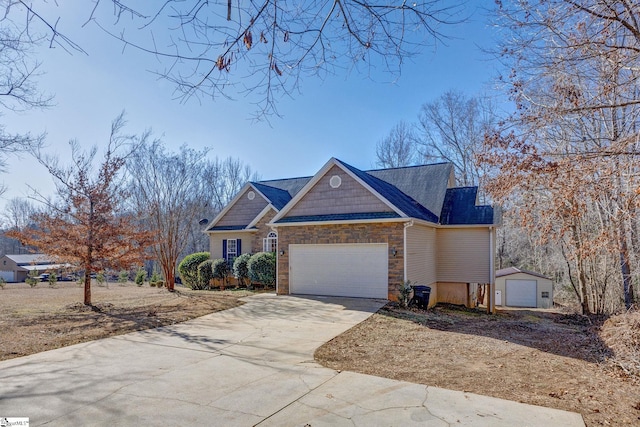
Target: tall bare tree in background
[
  {"x": 172, "y": 192},
  {"x": 452, "y": 129},
  {"x": 86, "y": 225},
  {"x": 18, "y": 215},
  {"x": 570, "y": 155},
  {"x": 398, "y": 148}
]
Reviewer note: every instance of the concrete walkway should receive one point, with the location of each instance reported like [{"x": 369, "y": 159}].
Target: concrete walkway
[{"x": 252, "y": 365}]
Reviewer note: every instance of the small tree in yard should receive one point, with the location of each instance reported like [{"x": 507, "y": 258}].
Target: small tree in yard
[
  {"x": 205, "y": 274},
  {"x": 240, "y": 269},
  {"x": 32, "y": 278},
  {"x": 86, "y": 225},
  {"x": 262, "y": 268},
  {"x": 140, "y": 276},
  {"x": 53, "y": 279},
  {"x": 100, "y": 278},
  {"x": 220, "y": 269},
  {"x": 123, "y": 277},
  {"x": 188, "y": 268},
  {"x": 155, "y": 279}
]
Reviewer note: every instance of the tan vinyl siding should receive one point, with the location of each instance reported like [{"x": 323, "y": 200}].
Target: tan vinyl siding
[
  {"x": 421, "y": 254},
  {"x": 463, "y": 255},
  {"x": 350, "y": 197},
  {"x": 244, "y": 210},
  {"x": 215, "y": 242}
]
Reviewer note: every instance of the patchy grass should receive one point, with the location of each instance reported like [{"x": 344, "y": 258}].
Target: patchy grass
[
  {"x": 537, "y": 357},
  {"x": 43, "y": 318}
]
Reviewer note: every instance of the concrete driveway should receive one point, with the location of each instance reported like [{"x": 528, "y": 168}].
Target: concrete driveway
[{"x": 252, "y": 365}]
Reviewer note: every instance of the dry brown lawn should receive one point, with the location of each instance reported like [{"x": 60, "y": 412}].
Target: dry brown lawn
[
  {"x": 543, "y": 358},
  {"x": 536, "y": 357},
  {"x": 43, "y": 318}
]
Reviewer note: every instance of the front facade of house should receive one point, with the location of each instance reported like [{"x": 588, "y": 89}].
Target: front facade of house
[{"x": 347, "y": 232}]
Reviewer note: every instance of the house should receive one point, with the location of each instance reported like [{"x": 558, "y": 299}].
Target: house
[
  {"x": 348, "y": 232},
  {"x": 15, "y": 268},
  {"x": 522, "y": 288}
]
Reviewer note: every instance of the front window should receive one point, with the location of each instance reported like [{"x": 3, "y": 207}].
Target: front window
[
  {"x": 270, "y": 243},
  {"x": 232, "y": 249}
]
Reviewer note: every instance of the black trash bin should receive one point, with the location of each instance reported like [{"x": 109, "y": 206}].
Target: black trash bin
[{"x": 421, "y": 296}]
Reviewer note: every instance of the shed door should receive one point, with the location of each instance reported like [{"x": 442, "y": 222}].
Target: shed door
[
  {"x": 349, "y": 270},
  {"x": 8, "y": 276},
  {"x": 521, "y": 293}
]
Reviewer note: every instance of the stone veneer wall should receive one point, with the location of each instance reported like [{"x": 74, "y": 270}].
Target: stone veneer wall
[{"x": 390, "y": 233}]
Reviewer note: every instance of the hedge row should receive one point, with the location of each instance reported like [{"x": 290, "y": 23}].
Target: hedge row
[{"x": 197, "y": 270}]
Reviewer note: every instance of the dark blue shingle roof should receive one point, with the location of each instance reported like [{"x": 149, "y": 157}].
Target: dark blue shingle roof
[
  {"x": 459, "y": 208},
  {"x": 227, "y": 228},
  {"x": 276, "y": 196},
  {"x": 399, "y": 199}
]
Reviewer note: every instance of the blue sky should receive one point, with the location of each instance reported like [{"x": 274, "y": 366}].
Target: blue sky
[{"x": 340, "y": 116}]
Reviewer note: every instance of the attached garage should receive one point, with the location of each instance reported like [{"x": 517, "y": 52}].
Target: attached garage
[
  {"x": 520, "y": 288},
  {"x": 8, "y": 276},
  {"x": 349, "y": 270}
]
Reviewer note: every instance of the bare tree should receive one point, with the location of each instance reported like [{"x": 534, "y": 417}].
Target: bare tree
[
  {"x": 21, "y": 30},
  {"x": 18, "y": 213},
  {"x": 452, "y": 129},
  {"x": 398, "y": 148},
  {"x": 264, "y": 48},
  {"x": 570, "y": 153},
  {"x": 86, "y": 225},
  {"x": 173, "y": 192}
]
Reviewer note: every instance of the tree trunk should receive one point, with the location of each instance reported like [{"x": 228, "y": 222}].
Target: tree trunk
[
  {"x": 87, "y": 285},
  {"x": 582, "y": 279},
  {"x": 625, "y": 267},
  {"x": 169, "y": 276}
]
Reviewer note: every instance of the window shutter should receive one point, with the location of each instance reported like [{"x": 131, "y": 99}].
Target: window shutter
[
  {"x": 224, "y": 248},
  {"x": 239, "y": 247}
]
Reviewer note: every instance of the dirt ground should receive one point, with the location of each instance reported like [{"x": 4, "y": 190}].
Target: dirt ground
[
  {"x": 536, "y": 357},
  {"x": 43, "y": 318}
]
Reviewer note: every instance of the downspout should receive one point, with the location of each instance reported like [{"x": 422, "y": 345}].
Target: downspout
[
  {"x": 492, "y": 271},
  {"x": 404, "y": 249},
  {"x": 275, "y": 230}
]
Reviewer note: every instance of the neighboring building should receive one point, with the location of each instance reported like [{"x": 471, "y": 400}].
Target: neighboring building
[
  {"x": 15, "y": 268},
  {"x": 347, "y": 232},
  {"x": 521, "y": 288}
]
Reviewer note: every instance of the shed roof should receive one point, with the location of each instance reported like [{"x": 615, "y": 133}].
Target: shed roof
[{"x": 515, "y": 270}]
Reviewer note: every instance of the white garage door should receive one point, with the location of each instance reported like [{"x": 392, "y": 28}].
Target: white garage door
[
  {"x": 8, "y": 276},
  {"x": 349, "y": 270},
  {"x": 521, "y": 293}
]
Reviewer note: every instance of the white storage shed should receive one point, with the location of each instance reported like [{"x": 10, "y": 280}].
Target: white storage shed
[{"x": 522, "y": 288}]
